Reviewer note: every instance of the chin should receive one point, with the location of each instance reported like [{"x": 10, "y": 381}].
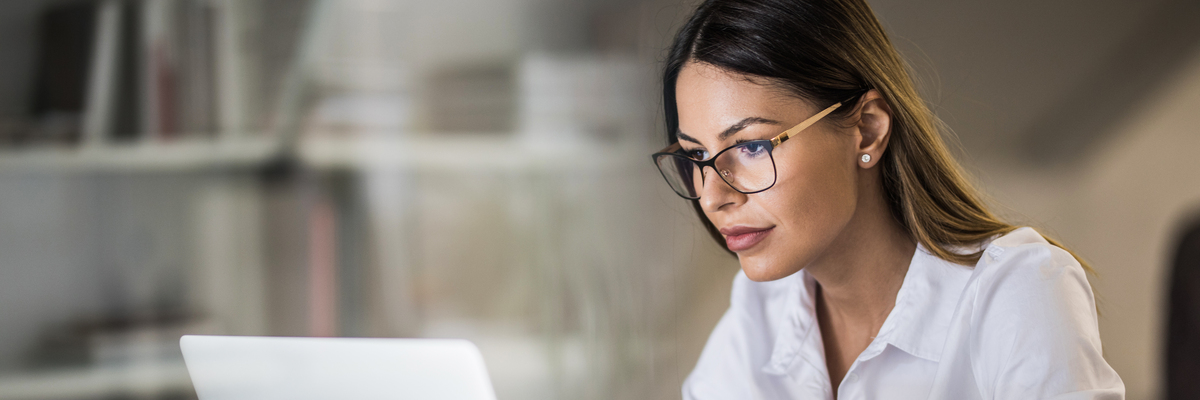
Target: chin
[{"x": 761, "y": 270}]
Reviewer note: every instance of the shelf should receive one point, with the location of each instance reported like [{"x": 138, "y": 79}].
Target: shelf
[
  {"x": 462, "y": 153},
  {"x": 429, "y": 152},
  {"x": 184, "y": 155},
  {"x": 135, "y": 380}
]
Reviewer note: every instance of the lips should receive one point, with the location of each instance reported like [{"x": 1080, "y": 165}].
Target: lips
[{"x": 739, "y": 238}]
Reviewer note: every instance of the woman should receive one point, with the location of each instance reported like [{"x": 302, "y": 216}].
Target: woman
[{"x": 870, "y": 269}]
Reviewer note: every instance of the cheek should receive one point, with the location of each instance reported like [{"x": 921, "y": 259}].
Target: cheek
[
  {"x": 817, "y": 183},
  {"x": 813, "y": 199}
]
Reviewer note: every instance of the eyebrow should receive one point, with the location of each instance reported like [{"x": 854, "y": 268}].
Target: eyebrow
[
  {"x": 684, "y": 136},
  {"x": 733, "y": 129}
]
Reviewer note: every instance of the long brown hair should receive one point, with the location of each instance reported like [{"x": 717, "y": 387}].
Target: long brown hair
[{"x": 825, "y": 51}]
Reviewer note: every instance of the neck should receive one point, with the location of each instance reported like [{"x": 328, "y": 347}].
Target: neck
[{"x": 862, "y": 270}]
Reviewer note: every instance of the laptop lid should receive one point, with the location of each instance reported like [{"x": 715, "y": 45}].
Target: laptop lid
[{"x": 265, "y": 368}]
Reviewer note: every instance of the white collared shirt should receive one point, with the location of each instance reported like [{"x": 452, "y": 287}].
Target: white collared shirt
[{"x": 1021, "y": 324}]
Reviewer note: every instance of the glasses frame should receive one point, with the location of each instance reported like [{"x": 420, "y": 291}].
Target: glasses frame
[{"x": 674, "y": 151}]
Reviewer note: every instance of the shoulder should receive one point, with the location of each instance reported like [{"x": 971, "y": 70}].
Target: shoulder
[
  {"x": 1024, "y": 243},
  {"x": 1022, "y": 266},
  {"x": 1033, "y": 324},
  {"x": 1026, "y": 283}
]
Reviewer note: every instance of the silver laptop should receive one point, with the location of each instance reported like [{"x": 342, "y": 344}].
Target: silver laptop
[{"x": 266, "y": 368}]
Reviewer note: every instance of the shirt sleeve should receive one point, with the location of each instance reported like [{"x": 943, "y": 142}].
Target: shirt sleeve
[
  {"x": 1035, "y": 327},
  {"x": 723, "y": 370}
]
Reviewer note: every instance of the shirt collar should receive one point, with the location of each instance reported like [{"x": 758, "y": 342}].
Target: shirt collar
[
  {"x": 917, "y": 325},
  {"x": 798, "y": 338},
  {"x": 925, "y": 304}
]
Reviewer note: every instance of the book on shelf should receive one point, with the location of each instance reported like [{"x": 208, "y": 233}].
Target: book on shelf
[
  {"x": 99, "y": 109},
  {"x": 178, "y": 69},
  {"x": 119, "y": 110},
  {"x": 197, "y": 68},
  {"x": 63, "y": 53},
  {"x": 256, "y": 43}
]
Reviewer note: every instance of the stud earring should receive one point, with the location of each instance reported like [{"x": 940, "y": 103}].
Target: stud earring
[{"x": 866, "y": 158}]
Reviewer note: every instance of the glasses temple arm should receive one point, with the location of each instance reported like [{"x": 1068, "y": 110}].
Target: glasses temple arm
[{"x": 783, "y": 137}]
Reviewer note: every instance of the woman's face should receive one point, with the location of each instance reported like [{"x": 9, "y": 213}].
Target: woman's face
[{"x": 777, "y": 232}]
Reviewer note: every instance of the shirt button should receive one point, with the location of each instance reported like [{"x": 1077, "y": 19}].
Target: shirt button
[{"x": 851, "y": 377}]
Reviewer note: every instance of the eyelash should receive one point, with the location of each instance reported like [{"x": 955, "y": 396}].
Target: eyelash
[
  {"x": 735, "y": 143},
  {"x": 689, "y": 153}
]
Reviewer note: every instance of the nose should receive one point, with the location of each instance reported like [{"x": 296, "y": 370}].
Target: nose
[{"x": 716, "y": 194}]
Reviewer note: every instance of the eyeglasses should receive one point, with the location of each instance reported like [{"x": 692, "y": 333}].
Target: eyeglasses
[{"x": 748, "y": 167}]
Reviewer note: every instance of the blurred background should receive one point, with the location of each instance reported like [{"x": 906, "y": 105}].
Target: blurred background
[{"x": 479, "y": 169}]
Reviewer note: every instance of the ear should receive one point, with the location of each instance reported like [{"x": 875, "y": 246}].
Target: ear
[{"x": 874, "y": 128}]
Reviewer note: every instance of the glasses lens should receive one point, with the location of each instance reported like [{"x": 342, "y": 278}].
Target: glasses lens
[
  {"x": 748, "y": 167},
  {"x": 681, "y": 173}
]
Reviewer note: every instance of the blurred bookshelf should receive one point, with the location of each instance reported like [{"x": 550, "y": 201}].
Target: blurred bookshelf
[
  {"x": 201, "y": 85},
  {"x": 304, "y": 182},
  {"x": 431, "y": 151},
  {"x": 180, "y": 156},
  {"x": 166, "y": 88},
  {"x": 153, "y": 85}
]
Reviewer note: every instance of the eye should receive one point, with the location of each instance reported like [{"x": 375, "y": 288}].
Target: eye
[
  {"x": 753, "y": 149},
  {"x": 696, "y": 154}
]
